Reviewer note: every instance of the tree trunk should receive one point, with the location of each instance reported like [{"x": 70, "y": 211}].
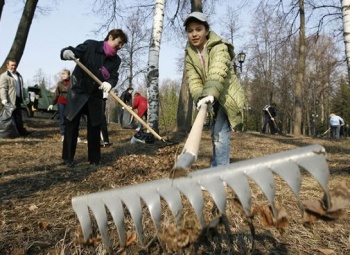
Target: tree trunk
[
  {"x": 2, "y": 3},
  {"x": 153, "y": 66},
  {"x": 184, "y": 111},
  {"x": 20, "y": 40},
  {"x": 346, "y": 23},
  {"x": 300, "y": 73}
]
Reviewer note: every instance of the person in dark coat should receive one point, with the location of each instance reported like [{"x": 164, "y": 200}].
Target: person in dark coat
[
  {"x": 11, "y": 92},
  {"x": 269, "y": 118},
  {"x": 84, "y": 96},
  {"x": 126, "y": 97}
]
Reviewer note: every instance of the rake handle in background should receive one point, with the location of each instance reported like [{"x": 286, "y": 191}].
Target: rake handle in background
[
  {"x": 119, "y": 100},
  {"x": 274, "y": 122}
]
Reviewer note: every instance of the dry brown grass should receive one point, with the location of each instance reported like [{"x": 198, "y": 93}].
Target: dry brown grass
[{"x": 36, "y": 192}]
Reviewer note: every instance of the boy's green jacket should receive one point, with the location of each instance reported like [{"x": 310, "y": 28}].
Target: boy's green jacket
[{"x": 218, "y": 79}]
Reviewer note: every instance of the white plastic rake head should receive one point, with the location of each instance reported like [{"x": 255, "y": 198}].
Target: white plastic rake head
[{"x": 260, "y": 170}]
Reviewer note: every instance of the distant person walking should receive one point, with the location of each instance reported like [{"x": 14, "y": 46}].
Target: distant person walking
[
  {"x": 85, "y": 97},
  {"x": 270, "y": 113},
  {"x": 335, "y": 123},
  {"x": 11, "y": 92}
]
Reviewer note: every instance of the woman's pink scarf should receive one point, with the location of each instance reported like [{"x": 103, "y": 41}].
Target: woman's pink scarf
[{"x": 109, "y": 51}]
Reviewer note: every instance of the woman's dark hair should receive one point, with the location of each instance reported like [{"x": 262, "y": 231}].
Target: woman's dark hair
[
  {"x": 192, "y": 19},
  {"x": 115, "y": 33}
]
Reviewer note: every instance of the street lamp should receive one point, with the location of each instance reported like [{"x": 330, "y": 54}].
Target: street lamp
[{"x": 241, "y": 59}]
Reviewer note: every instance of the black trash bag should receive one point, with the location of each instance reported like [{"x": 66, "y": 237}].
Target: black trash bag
[
  {"x": 144, "y": 136},
  {"x": 126, "y": 120},
  {"x": 7, "y": 123}
]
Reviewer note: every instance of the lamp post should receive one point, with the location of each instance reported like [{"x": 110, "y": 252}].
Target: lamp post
[
  {"x": 240, "y": 58},
  {"x": 246, "y": 110}
]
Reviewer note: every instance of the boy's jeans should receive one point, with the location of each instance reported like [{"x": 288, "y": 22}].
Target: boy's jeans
[{"x": 221, "y": 134}]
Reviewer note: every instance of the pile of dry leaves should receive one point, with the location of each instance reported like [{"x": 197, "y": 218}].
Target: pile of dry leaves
[{"x": 37, "y": 215}]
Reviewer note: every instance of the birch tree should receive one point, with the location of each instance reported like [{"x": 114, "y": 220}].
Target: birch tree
[
  {"x": 345, "y": 4},
  {"x": 153, "y": 65}
]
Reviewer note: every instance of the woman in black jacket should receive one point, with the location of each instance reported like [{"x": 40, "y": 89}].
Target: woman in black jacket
[{"x": 85, "y": 96}]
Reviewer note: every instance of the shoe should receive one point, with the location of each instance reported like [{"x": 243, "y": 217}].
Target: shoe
[
  {"x": 33, "y": 108},
  {"x": 135, "y": 140},
  {"x": 68, "y": 163},
  {"x": 138, "y": 129},
  {"x": 25, "y": 133},
  {"x": 105, "y": 144}
]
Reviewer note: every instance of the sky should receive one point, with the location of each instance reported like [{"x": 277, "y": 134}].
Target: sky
[{"x": 68, "y": 24}]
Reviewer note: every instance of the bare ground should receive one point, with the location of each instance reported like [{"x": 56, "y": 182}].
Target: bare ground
[{"x": 36, "y": 192}]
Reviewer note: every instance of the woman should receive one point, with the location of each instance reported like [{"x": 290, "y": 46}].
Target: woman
[
  {"x": 85, "y": 96},
  {"x": 212, "y": 80},
  {"x": 60, "y": 98}
]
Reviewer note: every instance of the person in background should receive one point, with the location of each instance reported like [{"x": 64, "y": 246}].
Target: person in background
[
  {"x": 335, "y": 123},
  {"x": 140, "y": 104},
  {"x": 269, "y": 118},
  {"x": 84, "y": 96},
  {"x": 212, "y": 81},
  {"x": 60, "y": 99},
  {"x": 104, "y": 129},
  {"x": 34, "y": 99},
  {"x": 126, "y": 96},
  {"x": 11, "y": 92}
]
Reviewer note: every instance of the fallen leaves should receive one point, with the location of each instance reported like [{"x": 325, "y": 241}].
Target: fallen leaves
[
  {"x": 327, "y": 251},
  {"x": 267, "y": 219},
  {"x": 32, "y": 207},
  {"x": 339, "y": 199},
  {"x": 176, "y": 238},
  {"x": 93, "y": 240}
]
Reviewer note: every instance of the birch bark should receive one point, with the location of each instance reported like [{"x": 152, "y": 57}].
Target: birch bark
[
  {"x": 345, "y": 4},
  {"x": 153, "y": 65}
]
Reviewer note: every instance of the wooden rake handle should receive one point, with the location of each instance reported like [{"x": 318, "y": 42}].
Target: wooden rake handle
[{"x": 126, "y": 107}]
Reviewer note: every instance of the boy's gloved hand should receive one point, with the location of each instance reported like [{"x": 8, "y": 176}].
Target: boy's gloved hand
[{"x": 205, "y": 100}]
